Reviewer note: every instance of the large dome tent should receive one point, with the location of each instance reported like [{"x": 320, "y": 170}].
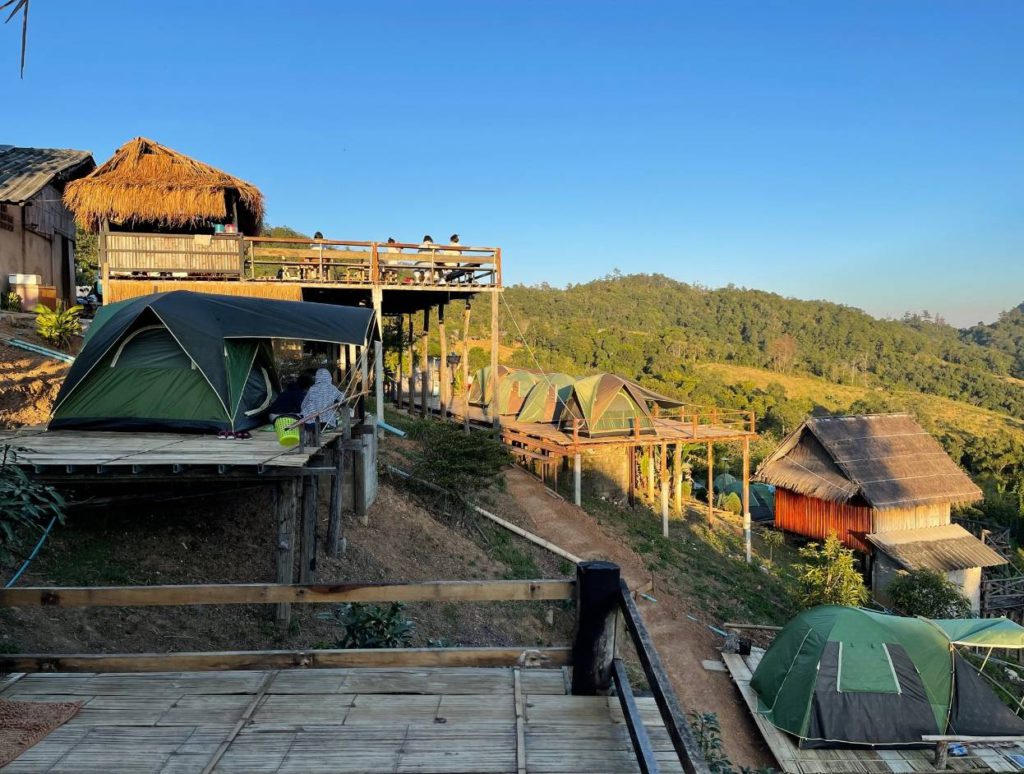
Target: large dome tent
[
  {"x": 843, "y": 676},
  {"x": 606, "y": 405},
  {"x": 183, "y": 361},
  {"x": 547, "y": 398}
]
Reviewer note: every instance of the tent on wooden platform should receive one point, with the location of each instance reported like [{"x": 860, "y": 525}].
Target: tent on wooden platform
[
  {"x": 605, "y": 404},
  {"x": 547, "y": 398},
  {"x": 846, "y": 677},
  {"x": 183, "y": 361},
  {"x": 513, "y": 385}
]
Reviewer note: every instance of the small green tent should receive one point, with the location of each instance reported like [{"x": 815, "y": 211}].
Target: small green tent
[
  {"x": 841, "y": 676},
  {"x": 480, "y": 390},
  {"x": 191, "y": 361},
  {"x": 606, "y": 405},
  {"x": 546, "y": 399},
  {"x": 513, "y": 388}
]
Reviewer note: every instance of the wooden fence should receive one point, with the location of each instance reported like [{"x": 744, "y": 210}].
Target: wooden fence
[{"x": 601, "y": 598}]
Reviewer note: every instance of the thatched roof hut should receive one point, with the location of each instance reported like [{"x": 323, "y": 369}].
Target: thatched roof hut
[
  {"x": 148, "y": 185},
  {"x": 884, "y": 461}
]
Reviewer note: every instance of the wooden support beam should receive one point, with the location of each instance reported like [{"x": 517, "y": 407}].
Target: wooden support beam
[
  {"x": 597, "y": 606},
  {"x": 677, "y": 478},
  {"x": 746, "y": 498},
  {"x": 400, "y": 376},
  {"x": 711, "y": 483},
  {"x": 285, "y": 507},
  {"x": 425, "y": 365},
  {"x": 650, "y": 475},
  {"x": 465, "y": 367},
  {"x": 271, "y": 593},
  {"x": 412, "y": 367},
  {"x": 378, "y": 352},
  {"x": 287, "y": 659},
  {"x": 307, "y": 545},
  {"x": 492, "y": 404},
  {"x": 642, "y": 746},
  {"x": 442, "y": 370},
  {"x": 663, "y": 483},
  {"x": 577, "y": 478},
  {"x": 337, "y": 507}
]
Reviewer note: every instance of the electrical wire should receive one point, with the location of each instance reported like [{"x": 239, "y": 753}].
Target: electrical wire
[{"x": 32, "y": 555}]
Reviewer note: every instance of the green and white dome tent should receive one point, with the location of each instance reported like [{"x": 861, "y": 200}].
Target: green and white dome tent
[
  {"x": 183, "y": 361},
  {"x": 844, "y": 676}
]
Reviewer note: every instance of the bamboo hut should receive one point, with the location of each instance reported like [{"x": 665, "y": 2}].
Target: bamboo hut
[
  {"x": 146, "y": 186},
  {"x": 867, "y": 476}
]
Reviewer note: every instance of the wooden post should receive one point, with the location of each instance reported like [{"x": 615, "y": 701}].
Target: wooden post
[
  {"x": 711, "y": 483},
  {"x": 664, "y": 490},
  {"x": 401, "y": 362},
  {"x": 677, "y": 477},
  {"x": 650, "y": 475},
  {"x": 284, "y": 509},
  {"x": 577, "y": 478},
  {"x": 593, "y": 648},
  {"x": 492, "y": 403},
  {"x": 746, "y": 497},
  {"x": 425, "y": 365},
  {"x": 337, "y": 487},
  {"x": 307, "y": 547},
  {"x": 378, "y": 353},
  {"x": 412, "y": 369},
  {"x": 442, "y": 370},
  {"x": 465, "y": 367}
]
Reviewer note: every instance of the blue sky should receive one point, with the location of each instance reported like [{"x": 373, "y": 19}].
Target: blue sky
[{"x": 866, "y": 152}]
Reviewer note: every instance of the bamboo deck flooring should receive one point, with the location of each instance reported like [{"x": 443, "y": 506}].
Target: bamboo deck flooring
[
  {"x": 329, "y": 721},
  {"x": 859, "y": 761},
  {"x": 39, "y": 447}
]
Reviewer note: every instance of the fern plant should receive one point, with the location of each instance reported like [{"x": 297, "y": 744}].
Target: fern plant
[
  {"x": 58, "y": 325},
  {"x": 25, "y": 505}
]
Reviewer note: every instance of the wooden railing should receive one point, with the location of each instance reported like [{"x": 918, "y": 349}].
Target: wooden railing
[
  {"x": 601, "y": 598},
  {"x": 128, "y": 255},
  {"x": 692, "y": 418}
]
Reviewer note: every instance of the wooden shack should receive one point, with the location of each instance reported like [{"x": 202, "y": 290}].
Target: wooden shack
[
  {"x": 37, "y": 232},
  {"x": 873, "y": 477}
]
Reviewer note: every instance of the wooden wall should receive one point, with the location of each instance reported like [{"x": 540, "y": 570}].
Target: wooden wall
[
  {"x": 817, "y": 518},
  {"x": 196, "y": 254},
  {"x": 120, "y": 290},
  {"x": 912, "y": 518}
]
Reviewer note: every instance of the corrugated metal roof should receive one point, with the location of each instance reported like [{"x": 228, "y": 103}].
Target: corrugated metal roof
[
  {"x": 945, "y": 548},
  {"x": 24, "y": 172}
]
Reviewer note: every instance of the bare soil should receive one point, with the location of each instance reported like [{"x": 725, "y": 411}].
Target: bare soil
[{"x": 28, "y": 383}]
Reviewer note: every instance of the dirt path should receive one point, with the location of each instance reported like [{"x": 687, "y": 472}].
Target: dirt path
[{"x": 682, "y": 643}]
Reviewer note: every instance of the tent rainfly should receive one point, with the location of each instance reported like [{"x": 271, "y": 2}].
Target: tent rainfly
[
  {"x": 183, "y": 361},
  {"x": 547, "y": 398},
  {"x": 843, "y": 676},
  {"x": 480, "y": 390},
  {"x": 148, "y": 184},
  {"x": 605, "y": 404},
  {"x": 513, "y": 388}
]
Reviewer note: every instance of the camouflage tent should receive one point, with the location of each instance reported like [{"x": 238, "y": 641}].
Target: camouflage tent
[{"x": 547, "y": 398}]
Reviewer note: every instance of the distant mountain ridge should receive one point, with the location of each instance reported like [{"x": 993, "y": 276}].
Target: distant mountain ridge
[{"x": 651, "y": 327}]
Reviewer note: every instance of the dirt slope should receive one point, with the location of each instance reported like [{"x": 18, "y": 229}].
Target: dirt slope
[
  {"x": 682, "y": 643},
  {"x": 28, "y": 383}
]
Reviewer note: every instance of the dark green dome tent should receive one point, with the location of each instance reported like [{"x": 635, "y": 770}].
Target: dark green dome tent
[
  {"x": 845, "y": 676},
  {"x": 184, "y": 361},
  {"x": 480, "y": 390},
  {"x": 547, "y": 398},
  {"x": 605, "y": 404}
]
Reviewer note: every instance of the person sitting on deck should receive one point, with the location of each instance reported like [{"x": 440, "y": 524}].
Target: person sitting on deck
[
  {"x": 426, "y": 246},
  {"x": 322, "y": 400},
  {"x": 290, "y": 399}
]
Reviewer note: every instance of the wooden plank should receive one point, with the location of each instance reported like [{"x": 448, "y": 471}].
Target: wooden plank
[
  {"x": 285, "y": 659},
  {"x": 637, "y": 732},
  {"x": 242, "y": 722},
  {"x": 782, "y": 748},
  {"x": 520, "y": 723},
  {"x": 258, "y": 593}
]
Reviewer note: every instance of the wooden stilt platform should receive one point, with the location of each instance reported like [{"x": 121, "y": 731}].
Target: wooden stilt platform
[
  {"x": 980, "y": 757},
  {"x": 304, "y": 721}
]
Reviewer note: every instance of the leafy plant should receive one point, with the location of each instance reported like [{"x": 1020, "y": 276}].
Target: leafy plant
[
  {"x": 829, "y": 575},
  {"x": 11, "y": 302},
  {"x": 57, "y": 326},
  {"x": 462, "y": 464},
  {"x": 25, "y": 505},
  {"x": 708, "y": 731},
  {"x": 730, "y": 501},
  {"x": 370, "y": 626},
  {"x": 773, "y": 538},
  {"x": 928, "y": 593}
]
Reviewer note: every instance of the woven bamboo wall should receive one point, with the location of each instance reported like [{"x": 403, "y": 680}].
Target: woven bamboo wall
[
  {"x": 912, "y": 518},
  {"x": 196, "y": 254},
  {"x": 817, "y": 518},
  {"x": 120, "y": 290}
]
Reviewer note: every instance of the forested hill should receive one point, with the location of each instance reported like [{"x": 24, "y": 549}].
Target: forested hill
[
  {"x": 1005, "y": 335},
  {"x": 653, "y": 328}
]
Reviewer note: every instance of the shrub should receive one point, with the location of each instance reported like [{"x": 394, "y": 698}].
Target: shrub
[
  {"x": 370, "y": 626},
  {"x": 730, "y": 502},
  {"x": 10, "y": 302},
  {"x": 927, "y": 593},
  {"x": 57, "y": 326},
  {"x": 773, "y": 538},
  {"x": 828, "y": 575},
  {"x": 25, "y": 505},
  {"x": 463, "y": 464}
]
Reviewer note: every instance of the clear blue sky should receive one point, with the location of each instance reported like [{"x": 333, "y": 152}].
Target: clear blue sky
[{"x": 868, "y": 152}]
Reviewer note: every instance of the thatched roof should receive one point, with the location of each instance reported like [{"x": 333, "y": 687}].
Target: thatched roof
[
  {"x": 887, "y": 460},
  {"x": 145, "y": 182}
]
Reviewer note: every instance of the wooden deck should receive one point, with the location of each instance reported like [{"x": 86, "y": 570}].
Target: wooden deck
[
  {"x": 302, "y": 721},
  {"x": 130, "y": 452},
  {"x": 797, "y": 761}
]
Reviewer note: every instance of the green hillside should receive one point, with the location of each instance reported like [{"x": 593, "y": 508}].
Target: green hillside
[{"x": 1005, "y": 335}]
